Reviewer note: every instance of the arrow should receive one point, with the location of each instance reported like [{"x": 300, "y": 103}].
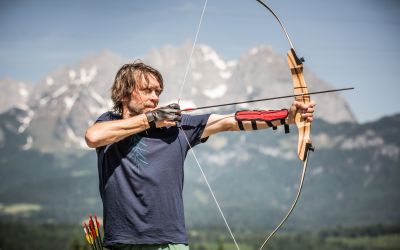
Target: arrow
[
  {"x": 95, "y": 232},
  {"x": 266, "y": 99},
  {"x": 88, "y": 236},
  {"x": 98, "y": 228},
  {"x": 92, "y": 233}
]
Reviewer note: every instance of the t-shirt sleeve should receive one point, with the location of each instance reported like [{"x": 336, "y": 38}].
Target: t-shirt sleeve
[
  {"x": 193, "y": 126},
  {"x": 107, "y": 116}
]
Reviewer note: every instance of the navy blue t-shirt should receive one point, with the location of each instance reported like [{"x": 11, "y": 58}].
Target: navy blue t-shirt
[{"x": 141, "y": 183}]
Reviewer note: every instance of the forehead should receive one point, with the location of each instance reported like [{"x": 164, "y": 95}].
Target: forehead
[{"x": 146, "y": 80}]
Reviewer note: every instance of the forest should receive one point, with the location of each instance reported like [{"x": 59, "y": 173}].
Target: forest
[{"x": 50, "y": 236}]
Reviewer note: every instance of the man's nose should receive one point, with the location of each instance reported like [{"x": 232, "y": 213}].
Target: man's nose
[{"x": 153, "y": 96}]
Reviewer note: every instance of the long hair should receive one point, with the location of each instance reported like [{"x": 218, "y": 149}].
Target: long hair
[{"x": 126, "y": 80}]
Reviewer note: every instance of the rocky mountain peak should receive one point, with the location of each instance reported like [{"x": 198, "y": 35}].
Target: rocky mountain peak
[{"x": 13, "y": 94}]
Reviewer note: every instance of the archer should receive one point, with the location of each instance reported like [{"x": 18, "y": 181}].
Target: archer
[{"x": 141, "y": 150}]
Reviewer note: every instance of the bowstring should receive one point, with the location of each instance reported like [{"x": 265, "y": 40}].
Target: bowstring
[
  {"x": 187, "y": 140},
  {"x": 192, "y": 51},
  {"x": 211, "y": 191}
]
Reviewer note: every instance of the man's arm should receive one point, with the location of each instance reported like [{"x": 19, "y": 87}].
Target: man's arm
[
  {"x": 221, "y": 123},
  {"x": 106, "y": 132}
]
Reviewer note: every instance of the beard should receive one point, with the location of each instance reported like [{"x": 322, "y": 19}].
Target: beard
[
  {"x": 138, "y": 108},
  {"x": 135, "y": 108}
]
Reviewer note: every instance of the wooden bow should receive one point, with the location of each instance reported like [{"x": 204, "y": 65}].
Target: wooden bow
[{"x": 304, "y": 145}]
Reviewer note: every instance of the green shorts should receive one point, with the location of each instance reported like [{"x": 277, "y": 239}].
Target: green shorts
[{"x": 151, "y": 247}]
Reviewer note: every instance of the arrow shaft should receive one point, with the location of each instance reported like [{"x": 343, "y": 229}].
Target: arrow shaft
[{"x": 267, "y": 99}]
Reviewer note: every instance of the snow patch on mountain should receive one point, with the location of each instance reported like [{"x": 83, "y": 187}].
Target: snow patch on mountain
[
  {"x": 49, "y": 81},
  {"x": 210, "y": 55},
  {"x": 277, "y": 153},
  {"x": 23, "y": 92},
  {"x": 317, "y": 171},
  {"x": 59, "y": 91},
  {"x": 368, "y": 139},
  {"x": 390, "y": 151},
  {"x": 71, "y": 74},
  {"x": 232, "y": 63},
  {"x": 69, "y": 102},
  {"x": 86, "y": 75},
  {"x": 218, "y": 143},
  {"x": 254, "y": 51},
  {"x": 197, "y": 76},
  {"x": 13, "y": 93},
  {"x": 25, "y": 120},
  {"x": 225, "y": 74},
  {"x": 222, "y": 158},
  {"x": 217, "y": 92},
  {"x": 76, "y": 140},
  {"x": 29, "y": 143}
]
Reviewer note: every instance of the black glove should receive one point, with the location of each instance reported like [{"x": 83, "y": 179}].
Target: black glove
[{"x": 171, "y": 112}]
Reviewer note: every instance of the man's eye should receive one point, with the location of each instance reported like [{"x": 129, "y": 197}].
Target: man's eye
[{"x": 148, "y": 91}]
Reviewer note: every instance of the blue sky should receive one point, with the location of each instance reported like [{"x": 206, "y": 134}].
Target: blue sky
[{"x": 345, "y": 42}]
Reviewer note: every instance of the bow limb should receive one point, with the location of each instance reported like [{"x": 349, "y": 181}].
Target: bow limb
[{"x": 299, "y": 87}]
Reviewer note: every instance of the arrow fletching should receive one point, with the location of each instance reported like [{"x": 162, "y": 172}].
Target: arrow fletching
[
  {"x": 93, "y": 226},
  {"x": 88, "y": 237}
]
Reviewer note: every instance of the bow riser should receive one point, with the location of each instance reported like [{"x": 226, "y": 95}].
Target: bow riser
[{"x": 300, "y": 87}]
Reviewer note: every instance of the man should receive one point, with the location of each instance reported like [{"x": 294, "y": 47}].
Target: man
[{"x": 141, "y": 151}]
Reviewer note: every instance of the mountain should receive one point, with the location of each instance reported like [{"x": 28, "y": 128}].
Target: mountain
[{"x": 65, "y": 102}]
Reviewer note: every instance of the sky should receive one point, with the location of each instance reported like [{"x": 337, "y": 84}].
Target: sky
[{"x": 345, "y": 42}]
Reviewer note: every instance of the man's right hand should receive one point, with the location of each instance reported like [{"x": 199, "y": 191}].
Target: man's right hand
[{"x": 164, "y": 116}]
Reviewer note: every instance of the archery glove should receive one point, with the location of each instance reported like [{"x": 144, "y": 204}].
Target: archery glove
[{"x": 171, "y": 112}]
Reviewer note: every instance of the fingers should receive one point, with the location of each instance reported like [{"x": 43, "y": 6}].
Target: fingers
[
  {"x": 306, "y": 110},
  {"x": 170, "y": 116},
  {"x": 171, "y": 113},
  {"x": 173, "y": 117},
  {"x": 308, "y": 117},
  {"x": 165, "y": 123},
  {"x": 169, "y": 123},
  {"x": 174, "y": 106},
  {"x": 301, "y": 105}
]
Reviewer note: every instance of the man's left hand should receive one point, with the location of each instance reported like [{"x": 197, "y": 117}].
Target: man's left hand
[
  {"x": 164, "y": 116},
  {"x": 306, "y": 111}
]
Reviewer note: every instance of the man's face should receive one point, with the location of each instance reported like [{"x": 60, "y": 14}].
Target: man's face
[{"x": 145, "y": 96}]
